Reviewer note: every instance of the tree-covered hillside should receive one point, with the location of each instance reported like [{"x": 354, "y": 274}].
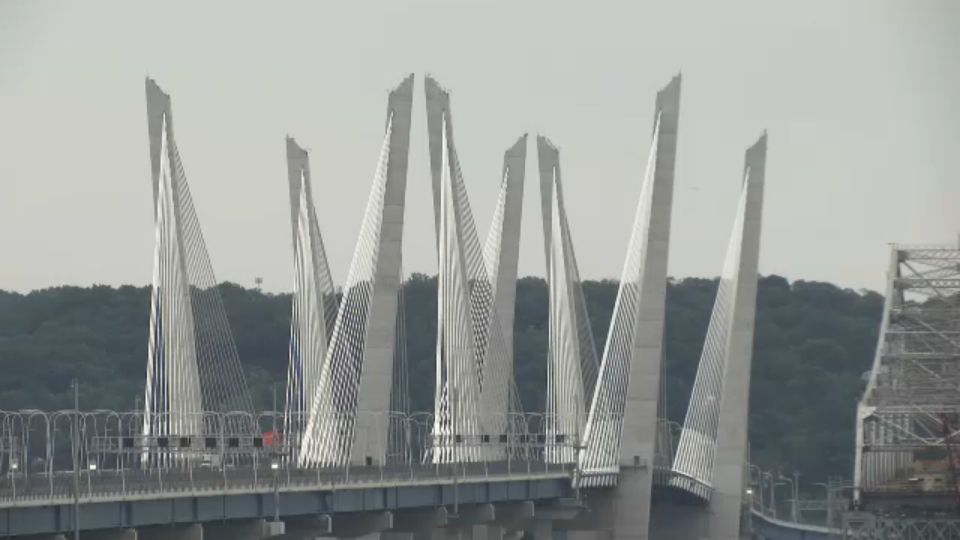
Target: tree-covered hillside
[{"x": 813, "y": 342}]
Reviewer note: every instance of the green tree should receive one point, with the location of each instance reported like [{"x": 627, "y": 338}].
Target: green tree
[{"x": 812, "y": 344}]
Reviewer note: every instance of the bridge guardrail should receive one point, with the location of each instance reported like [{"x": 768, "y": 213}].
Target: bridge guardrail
[
  {"x": 65, "y": 455},
  {"x": 119, "y": 485}
]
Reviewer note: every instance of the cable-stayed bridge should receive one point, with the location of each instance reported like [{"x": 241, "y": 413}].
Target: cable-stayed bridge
[{"x": 346, "y": 456}]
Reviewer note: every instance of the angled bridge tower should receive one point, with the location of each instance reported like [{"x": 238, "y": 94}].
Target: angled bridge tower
[
  {"x": 350, "y": 411},
  {"x": 620, "y": 436},
  {"x": 475, "y": 299},
  {"x": 571, "y": 353},
  {"x": 501, "y": 252},
  {"x": 314, "y": 302},
  {"x": 192, "y": 362},
  {"x": 712, "y": 452}
]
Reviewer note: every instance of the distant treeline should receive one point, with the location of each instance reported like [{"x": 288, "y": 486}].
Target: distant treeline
[{"x": 813, "y": 342}]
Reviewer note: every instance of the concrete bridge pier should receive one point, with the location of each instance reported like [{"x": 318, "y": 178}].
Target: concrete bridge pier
[
  {"x": 361, "y": 524},
  {"x": 307, "y": 527},
  {"x": 435, "y": 533},
  {"x": 606, "y": 516},
  {"x": 111, "y": 534},
  {"x": 396, "y": 536},
  {"x": 470, "y": 522},
  {"x": 669, "y": 520},
  {"x": 489, "y": 532},
  {"x": 510, "y": 518},
  {"x": 247, "y": 529},
  {"x": 478, "y": 522},
  {"x": 564, "y": 517},
  {"x": 171, "y": 532},
  {"x": 542, "y": 529},
  {"x": 413, "y": 524},
  {"x": 583, "y": 535},
  {"x": 419, "y": 520}
]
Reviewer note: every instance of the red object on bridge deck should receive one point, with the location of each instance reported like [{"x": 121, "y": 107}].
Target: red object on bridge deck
[{"x": 271, "y": 438}]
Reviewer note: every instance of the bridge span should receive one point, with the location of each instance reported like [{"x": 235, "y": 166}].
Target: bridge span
[
  {"x": 346, "y": 451},
  {"x": 297, "y": 504}
]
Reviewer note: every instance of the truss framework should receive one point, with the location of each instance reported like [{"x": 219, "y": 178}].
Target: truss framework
[
  {"x": 858, "y": 526},
  {"x": 908, "y": 420}
]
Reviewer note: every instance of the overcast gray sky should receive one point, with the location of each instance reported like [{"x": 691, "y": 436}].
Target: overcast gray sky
[{"x": 860, "y": 99}]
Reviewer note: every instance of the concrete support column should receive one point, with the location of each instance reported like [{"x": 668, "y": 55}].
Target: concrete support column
[
  {"x": 484, "y": 531},
  {"x": 726, "y": 503},
  {"x": 631, "y": 504},
  {"x": 361, "y": 524},
  {"x": 471, "y": 522},
  {"x": 181, "y": 532},
  {"x": 376, "y": 377},
  {"x": 247, "y": 529},
  {"x": 512, "y": 517},
  {"x": 679, "y": 521},
  {"x": 543, "y": 529},
  {"x": 110, "y": 534},
  {"x": 419, "y": 521},
  {"x": 493, "y": 532},
  {"x": 273, "y": 528},
  {"x": 437, "y": 533},
  {"x": 307, "y": 526}
]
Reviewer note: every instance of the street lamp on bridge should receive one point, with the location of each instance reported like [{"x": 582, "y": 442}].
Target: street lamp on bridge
[{"x": 795, "y": 488}]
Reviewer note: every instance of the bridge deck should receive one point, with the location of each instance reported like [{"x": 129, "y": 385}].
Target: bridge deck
[{"x": 304, "y": 493}]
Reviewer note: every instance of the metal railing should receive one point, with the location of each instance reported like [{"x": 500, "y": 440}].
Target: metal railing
[
  {"x": 70, "y": 455},
  {"x": 775, "y": 496}
]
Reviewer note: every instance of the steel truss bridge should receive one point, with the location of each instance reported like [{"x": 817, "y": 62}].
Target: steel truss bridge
[
  {"x": 907, "y": 469},
  {"x": 346, "y": 456}
]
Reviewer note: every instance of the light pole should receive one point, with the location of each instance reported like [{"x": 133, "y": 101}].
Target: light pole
[
  {"x": 829, "y": 502},
  {"x": 76, "y": 459},
  {"x": 796, "y": 496},
  {"x": 793, "y": 507},
  {"x": 773, "y": 493},
  {"x": 759, "y": 484},
  {"x": 275, "y": 466}
]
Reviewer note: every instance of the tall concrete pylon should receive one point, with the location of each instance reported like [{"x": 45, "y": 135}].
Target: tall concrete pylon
[
  {"x": 376, "y": 378},
  {"x": 572, "y": 363},
  {"x": 724, "y": 522},
  {"x": 173, "y": 375},
  {"x": 620, "y": 438},
  {"x": 713, "y": 444},
  {"x": 476, "y": 292},
  {"x": 502, "y": 248},
  {"x": 192, "y": 361},
  {"x": 314, "y": 302},
  {"x": 350, "y": 412},
  {"x": 638, "y": 442}
]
